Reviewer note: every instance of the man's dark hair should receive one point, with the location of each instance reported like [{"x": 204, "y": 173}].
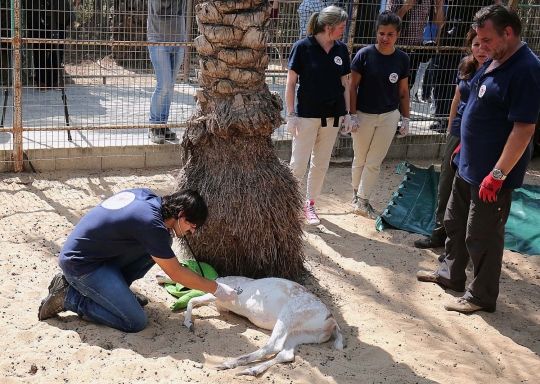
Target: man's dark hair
[
  {"x": 389, "y": 18},
  {"x": 190, "y": 202},
  {"x": 501, "y": 16}
]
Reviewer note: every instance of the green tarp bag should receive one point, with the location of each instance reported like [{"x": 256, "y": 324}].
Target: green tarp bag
[{"x": 413, "y": 206}]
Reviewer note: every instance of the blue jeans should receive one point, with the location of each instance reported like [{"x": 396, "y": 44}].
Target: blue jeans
[
  {"x": 166, "y": 62},
  {"x": 104, "y": 296}
]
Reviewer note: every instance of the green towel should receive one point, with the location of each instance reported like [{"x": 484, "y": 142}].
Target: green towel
[{"x": 185, "y": 294}]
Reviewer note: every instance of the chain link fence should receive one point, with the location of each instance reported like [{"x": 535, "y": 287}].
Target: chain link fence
[{"x": 77, "y": 80}]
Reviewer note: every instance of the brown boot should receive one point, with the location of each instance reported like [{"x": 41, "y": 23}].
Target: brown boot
[{"x": 53, "y": 304}]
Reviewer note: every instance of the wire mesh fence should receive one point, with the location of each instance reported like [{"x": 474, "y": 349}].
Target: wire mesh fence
[{"x": 79, "y": 83}]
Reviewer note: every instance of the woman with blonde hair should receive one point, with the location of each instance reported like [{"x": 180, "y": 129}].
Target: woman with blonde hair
[{"x": 320, "y": 63}]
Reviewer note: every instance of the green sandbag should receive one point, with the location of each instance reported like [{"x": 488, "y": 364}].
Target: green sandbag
[
  {"x": 413, "y": 206},
  {"x": 522, "y": 231},
  {"x": 185, "y": 294}
]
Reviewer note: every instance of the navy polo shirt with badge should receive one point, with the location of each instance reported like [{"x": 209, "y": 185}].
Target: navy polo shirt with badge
[
  {"x": 319, "y": 76},
  {"x": 510, "y": 93},
  {"x": 129, "y": 222},
  {"x": 378, "y": 89}
]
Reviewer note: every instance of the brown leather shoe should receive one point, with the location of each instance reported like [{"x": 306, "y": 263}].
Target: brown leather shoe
[
  {"x": 428, "y": 242},
  {"x": 459, "y": 304},
  {"x": 427, "y": 276}
]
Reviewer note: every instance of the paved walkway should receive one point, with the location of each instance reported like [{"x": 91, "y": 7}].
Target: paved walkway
[{"x": 106, "y": 105}]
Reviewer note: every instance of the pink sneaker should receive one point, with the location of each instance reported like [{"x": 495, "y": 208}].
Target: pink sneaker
[{"x": 311, "y": 215}]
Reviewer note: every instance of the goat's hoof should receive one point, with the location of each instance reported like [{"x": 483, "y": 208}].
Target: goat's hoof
[
  {"x": 225, "y": 365},
  {"x": 189, "y": 325},
  {"x": 246, "y": 372}
]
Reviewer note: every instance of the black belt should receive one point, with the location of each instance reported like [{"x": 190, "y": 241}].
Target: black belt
[{"x": 330, "y": 109}]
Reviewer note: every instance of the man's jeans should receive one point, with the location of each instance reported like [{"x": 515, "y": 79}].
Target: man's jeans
[
  {"x": 166, "y": 62},
  {"x": 104, "y": 296}
]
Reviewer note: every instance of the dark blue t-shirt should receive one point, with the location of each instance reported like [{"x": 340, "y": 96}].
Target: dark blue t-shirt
[
  {"x": 128, "y": 222},
  {"x": 510, "y": 93},
  {"x": 319, "y": 75},
  {"x": 464, "y": 86},
  {"x": 378, "y": 89}
]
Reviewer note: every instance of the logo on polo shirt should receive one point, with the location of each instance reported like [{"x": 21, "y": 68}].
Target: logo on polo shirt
[
  {"x": 482, "y": 91},
  {"x": 393, "y": 77},
  {"x": 120, "y": 200},
  {"x": 338, "y": 60}
]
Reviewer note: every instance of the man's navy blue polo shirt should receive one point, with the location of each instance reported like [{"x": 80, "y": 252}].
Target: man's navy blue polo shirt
[
  {"x": 510, "y": 93},
  {"x": 319, "y": 75}
]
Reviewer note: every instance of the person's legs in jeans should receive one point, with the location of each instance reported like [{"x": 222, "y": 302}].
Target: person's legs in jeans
[
  {"x": 166, "y": 62},
  {"x": 104, "y": 296}
]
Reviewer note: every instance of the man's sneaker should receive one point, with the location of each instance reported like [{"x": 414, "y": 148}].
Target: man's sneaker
[
  {"x": 141, "y": 299},
  {"x": 156, "y": 136},
  {"x": 362, "y": 207},
  {"x": 459, "y": 304},
  {"x": 427, "y": 276},
  {"x": 354, "y": 199},
  {"x": 169, "y": 135},
  {"x": 428, "y": 242},
  {"x": 311, "y": 215},
  {"x": 53, "y": 304}
]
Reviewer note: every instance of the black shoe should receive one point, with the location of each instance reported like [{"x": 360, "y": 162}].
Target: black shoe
[
  {"x": 53, "y": 304},
  {"x": 428, "y": 242},
  {"x": 437, "y": 127},
  {"x": 441, "y": 258},
  {"x": 169, "y": 135},
  {"x": 141, "y": 299}
]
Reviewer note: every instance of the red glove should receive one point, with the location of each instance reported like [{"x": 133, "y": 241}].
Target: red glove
[
  {"x": 452, "y": 165},
  {"x": 489, "y": 189}
]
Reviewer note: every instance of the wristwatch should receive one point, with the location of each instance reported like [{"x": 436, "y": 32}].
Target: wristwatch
[{"x": 497, "y": 174}]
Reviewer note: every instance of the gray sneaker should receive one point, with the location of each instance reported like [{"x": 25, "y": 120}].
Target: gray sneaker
[
  {"x": 157, "y": 136},
  {"x": 53, "y": 304},
  {"x": 362, "y": 207}
]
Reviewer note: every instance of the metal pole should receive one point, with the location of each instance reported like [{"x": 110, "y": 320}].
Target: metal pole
[
  {"x": 18, "y": 158},
  {"x": 189, "y": 39}
]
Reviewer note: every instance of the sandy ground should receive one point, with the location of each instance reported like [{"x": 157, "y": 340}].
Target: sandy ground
[{"x": 396, "y": 328}]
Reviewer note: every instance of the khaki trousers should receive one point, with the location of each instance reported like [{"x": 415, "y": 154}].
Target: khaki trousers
[
  {"x": 371, "y": 144},
  {"x": 313, "y": 143}
]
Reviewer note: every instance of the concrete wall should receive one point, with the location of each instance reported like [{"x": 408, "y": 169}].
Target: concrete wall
[{"x": 170, "y": 155}]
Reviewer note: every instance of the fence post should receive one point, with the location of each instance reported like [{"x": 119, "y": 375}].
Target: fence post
[
  {"x": 17, "y": 87},
  {"x": 513, "y": 4}
]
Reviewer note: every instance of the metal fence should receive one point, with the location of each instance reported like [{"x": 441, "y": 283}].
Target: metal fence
[{"x": 92, "y": 110}]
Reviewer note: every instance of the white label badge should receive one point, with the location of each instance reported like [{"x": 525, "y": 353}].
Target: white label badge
[
  {"x": 120, "y": 200},
  {"x": 393, "y": 77},
  {"x": 338, "y": 60},
  {"x": 482, "y": 91}
]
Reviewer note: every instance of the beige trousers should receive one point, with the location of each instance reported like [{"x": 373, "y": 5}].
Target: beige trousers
[
  {"x": 313, "y": 143},
  {"x": 370, "y": 145}
]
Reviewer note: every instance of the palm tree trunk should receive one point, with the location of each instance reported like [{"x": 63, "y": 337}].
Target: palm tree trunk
[{"x": 254, "y": 201}]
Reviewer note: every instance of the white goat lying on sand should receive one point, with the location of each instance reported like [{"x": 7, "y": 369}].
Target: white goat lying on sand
[{"x": 294, "y": 315}]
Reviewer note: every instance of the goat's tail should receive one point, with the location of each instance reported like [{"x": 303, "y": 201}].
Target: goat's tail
[{"x": 338, "y": 337}]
